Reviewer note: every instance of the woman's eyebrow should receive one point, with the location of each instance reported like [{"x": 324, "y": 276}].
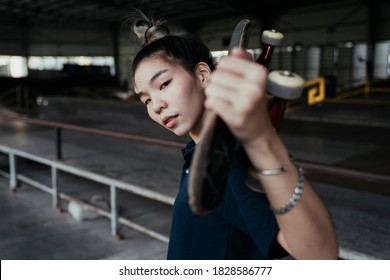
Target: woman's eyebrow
[{"x": 155, "y": 76}]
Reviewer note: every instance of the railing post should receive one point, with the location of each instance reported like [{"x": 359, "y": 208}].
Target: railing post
[
  {"x": 54, "y": 187},
  {"x": 58, "y": 132},
  {"x": 13, "y": 181},
  {"x": 114, "y": 211}
]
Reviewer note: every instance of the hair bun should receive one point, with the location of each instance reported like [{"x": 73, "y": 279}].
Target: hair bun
[{"x": 145, "y": 28}]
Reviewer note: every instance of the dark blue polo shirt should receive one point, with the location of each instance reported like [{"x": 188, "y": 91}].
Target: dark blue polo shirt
[{"x": 241, "y": 227}]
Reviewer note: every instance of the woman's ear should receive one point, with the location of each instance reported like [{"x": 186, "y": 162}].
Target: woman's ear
[{"x": 203, "y": 72}]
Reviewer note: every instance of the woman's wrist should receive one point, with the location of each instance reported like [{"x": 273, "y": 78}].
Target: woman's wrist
[{"x": 267, "y": 152}]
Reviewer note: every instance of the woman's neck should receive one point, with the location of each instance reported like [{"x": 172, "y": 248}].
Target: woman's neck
[{"x": 195, "y": 132}]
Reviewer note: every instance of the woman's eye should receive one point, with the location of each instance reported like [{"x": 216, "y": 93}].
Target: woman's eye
[{"x": 163, "y": 85}]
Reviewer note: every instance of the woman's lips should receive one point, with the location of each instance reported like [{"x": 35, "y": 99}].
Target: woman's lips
[{"x": 169, "y": 121}]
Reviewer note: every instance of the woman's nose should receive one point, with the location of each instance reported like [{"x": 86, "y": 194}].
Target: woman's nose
[{"x": 158, "y": 105}]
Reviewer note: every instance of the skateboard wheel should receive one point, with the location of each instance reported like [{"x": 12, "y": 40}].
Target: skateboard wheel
[
  {"x": 272, "y": 37},
  {"x": 285, "y": 84}
]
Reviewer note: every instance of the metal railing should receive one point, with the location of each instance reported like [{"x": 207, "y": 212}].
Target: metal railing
[
  {"x": 310, "y": 166},
  {"x": 58, "y": 126},
  {"x": 53, "y": 190}
]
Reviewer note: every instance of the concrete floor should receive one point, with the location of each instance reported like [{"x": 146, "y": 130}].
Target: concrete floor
[
  {"x": 31, "y": 229},
  {"x": 343, "y": 135}
]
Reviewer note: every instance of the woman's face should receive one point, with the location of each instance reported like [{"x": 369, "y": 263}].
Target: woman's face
[{"x": 173, "y": 97}]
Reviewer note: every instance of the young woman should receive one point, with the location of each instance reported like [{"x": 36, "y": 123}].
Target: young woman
[{"x": 176, "y": 79}]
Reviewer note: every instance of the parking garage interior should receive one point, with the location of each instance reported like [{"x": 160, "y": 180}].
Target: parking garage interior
[{"x": 75, "y": 140}]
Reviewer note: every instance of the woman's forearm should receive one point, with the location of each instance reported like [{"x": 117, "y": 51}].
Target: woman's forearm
[{"x": 306, "y": 229}]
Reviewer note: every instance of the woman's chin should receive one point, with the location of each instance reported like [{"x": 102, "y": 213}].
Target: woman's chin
[{"x": 179, "y": 132}]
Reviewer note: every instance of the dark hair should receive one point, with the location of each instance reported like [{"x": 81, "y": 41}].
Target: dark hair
[{"x": 184, "y": 49}]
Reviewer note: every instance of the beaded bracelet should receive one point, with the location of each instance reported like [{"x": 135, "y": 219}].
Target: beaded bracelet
[{"x": 295, "y": 197}]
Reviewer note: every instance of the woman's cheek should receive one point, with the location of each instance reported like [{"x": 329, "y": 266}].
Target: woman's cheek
[{"x": 153, "y": 115}]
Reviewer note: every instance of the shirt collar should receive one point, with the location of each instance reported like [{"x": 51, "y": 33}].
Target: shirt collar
[{"x": 188, "y": 150}]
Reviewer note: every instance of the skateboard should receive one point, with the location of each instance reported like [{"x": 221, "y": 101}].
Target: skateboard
[{"x": 211, "y": 159}]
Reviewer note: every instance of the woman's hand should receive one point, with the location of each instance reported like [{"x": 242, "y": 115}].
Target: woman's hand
[{"x": 237, "y": 93}]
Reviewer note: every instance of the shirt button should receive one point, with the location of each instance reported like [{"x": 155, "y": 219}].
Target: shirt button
[{"x": 187, "y": 171}]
